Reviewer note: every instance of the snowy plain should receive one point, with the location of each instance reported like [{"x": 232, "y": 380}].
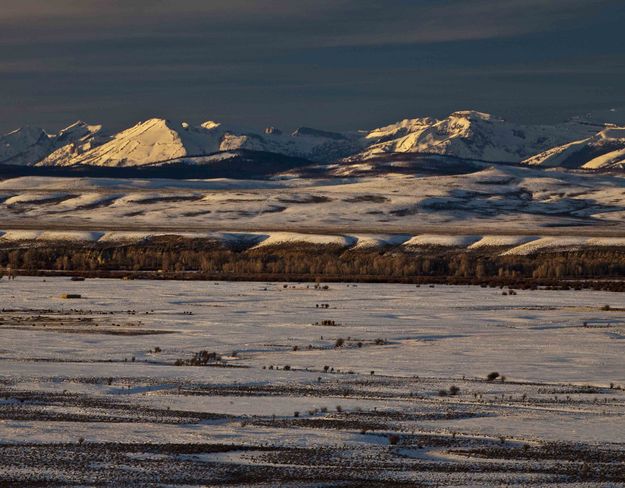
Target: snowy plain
[
  {"x": 102, "y": 369},
  {"x": 357, "y": 384}
]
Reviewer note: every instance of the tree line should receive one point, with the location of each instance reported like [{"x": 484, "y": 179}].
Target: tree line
[{"x": 176, "y": 256}]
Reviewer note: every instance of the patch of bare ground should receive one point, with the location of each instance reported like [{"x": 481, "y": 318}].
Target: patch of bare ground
[{"x": 76, "y": 321}]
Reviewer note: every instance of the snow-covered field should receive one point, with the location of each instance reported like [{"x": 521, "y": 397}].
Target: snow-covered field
[{"x": 91, "y": 392}]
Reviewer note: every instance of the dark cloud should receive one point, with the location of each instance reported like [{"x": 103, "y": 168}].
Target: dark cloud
[
  {"x": 336, "y": 63},
  {"x": 317, "y": 22}
]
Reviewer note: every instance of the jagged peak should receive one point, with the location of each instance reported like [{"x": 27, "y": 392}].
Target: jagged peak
[
  {"x": 78, "y": 123},
  {"x": 80, "y": 126},
  {"x": 466, "y": 134},
  {"x": 155, "y": 121}
]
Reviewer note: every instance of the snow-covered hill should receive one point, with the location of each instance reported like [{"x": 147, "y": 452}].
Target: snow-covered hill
[
  {"x": 521, "y": 200},
  {"x": 604, "y": 150},
  {"x": 464, "y": 135},
  {"x": 471, "y": 135}
]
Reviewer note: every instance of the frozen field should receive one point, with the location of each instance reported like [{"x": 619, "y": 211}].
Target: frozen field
[{"x": 386, "y": 386}]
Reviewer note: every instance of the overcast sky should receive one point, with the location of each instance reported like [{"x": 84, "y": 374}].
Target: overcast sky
[{"x": 335, "y": 64}]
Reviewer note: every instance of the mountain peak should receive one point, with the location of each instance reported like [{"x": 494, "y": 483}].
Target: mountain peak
[
  {"x": 74, "y": 125},
  {"x": 75, "y": 131},
  {"x": 24, "y": 146},
  {"x": 464, "y": 134},
  {"x": 154, "y": 122}
]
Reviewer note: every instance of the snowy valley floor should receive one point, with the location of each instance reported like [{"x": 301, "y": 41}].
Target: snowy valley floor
[{"x": 386, "y": 386}]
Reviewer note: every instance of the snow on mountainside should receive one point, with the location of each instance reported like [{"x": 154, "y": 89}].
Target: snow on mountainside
[
  {"x": 75, "y": 140},
  {"x": 466, "y": 135},
  {"x": 471, "y": 135},
  {"x": 28, "y": 145},
  {"x": 604, "y": 150},
  {"x": 159, "y": 141},
  {"x": 152, "y": 141},
  {"x": 312, "y": 144},
  {"x": 24, "y": 146}
]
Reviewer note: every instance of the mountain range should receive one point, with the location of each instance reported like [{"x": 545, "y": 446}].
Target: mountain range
[{"x": 581, "y": 143}]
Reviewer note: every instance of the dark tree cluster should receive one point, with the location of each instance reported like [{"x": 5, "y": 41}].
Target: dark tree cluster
[{"x": 193, "y": 258}]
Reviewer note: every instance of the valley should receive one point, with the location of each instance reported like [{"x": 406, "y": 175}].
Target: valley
[
  {"x": 394, "y": 391},
  {"x": 312, "y": 244}
]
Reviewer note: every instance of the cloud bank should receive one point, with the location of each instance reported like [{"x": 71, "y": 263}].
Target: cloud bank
[{"x": 339, "y": 63}]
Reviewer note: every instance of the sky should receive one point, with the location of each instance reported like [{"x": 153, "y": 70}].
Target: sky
[{"x": 332, "y": 64}]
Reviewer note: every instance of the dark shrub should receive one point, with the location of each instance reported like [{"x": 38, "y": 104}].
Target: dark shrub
[{"x": 393, "y": 439}]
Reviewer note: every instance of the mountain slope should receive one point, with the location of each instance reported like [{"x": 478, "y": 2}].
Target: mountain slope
[
  {"x": 313, "y": 144},
  {"x": 73, "y": 141},
  {"x": 149, "y": 142},
  {"x": 471, "y": 135},
  {"x": 29, "y": 145},
  {"x": 24, "y": 146},
  {"x": 158, "y": 141},
  {"x": 461, "y": 137},
  {"x": 604, "y": 150}
]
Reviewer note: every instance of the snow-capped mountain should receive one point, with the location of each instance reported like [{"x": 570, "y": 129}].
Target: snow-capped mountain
[
  {"x": 159, "y": 141},
  {"x": 149, "y": 142},
  {"x": 471, "y": 135},
  {"x": 74, "y": 141},
  {"x": 465, "y": 135},
  {"x": 24, "y": 146},
  {"x": 312, "y": 144},
  {"x": 604, "y": 150},
  {"x": 29, "y": 145}
]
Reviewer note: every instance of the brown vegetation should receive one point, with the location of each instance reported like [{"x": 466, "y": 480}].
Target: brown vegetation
[{"x": 193, "y": 258}]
